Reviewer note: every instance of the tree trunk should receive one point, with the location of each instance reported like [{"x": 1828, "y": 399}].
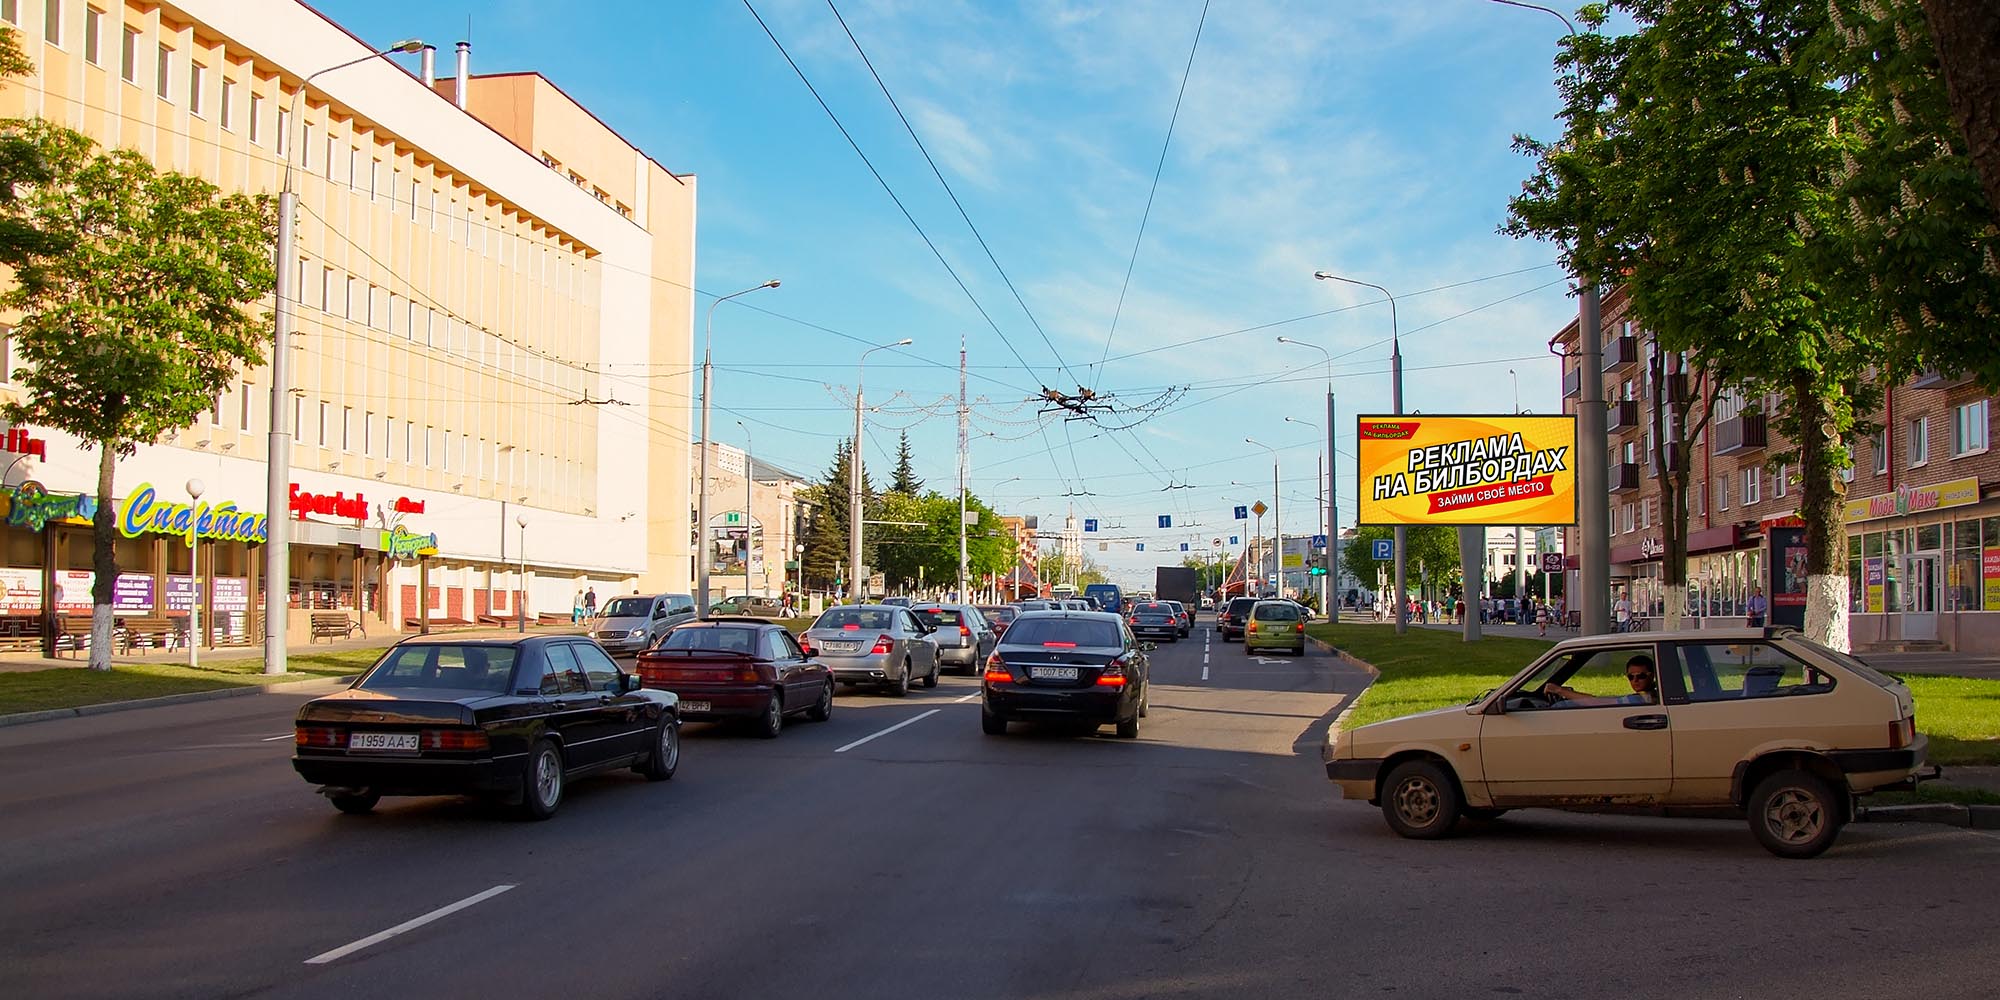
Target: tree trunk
[
  {"x": 1966, "y": 36},
  {"x": 1822, "y": 501},
  {"x": 104, "y": 559}
]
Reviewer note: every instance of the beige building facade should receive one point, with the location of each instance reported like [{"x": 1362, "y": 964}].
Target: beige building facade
[
  {"x": 776, "y": 518},
  {"x": 466, "y": 313}
]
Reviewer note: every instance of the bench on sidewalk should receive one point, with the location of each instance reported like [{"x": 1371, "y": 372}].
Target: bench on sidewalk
[
  {"x": 335, "y": 625},
  {"x": 72, "y": 633},
  {"x": 148, "y": 632}
]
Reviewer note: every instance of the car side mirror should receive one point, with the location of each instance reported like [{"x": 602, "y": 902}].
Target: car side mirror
[{"x": 629, "y": 683}]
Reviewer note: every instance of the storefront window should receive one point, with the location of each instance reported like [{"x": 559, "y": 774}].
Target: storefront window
[
  {"x": 1963, "y": 586},
  {"x": 1857, "y": 599},
  {"x": 1930, "y": 538}
]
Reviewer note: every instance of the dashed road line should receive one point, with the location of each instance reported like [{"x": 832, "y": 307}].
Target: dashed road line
[{"x": 408, "y": 925}]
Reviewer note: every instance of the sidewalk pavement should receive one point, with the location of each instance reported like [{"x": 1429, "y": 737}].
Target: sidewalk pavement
[
  {"x": 16, "y": 662},
  {"x": 1983, "y": 666}
]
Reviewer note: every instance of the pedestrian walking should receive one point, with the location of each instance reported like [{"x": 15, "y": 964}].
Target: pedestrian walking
[
  {"x": 1542, "y": 620},
  {"x": 590, "y": 603},
  {"x": 1758, "y": 605},
  {"x": 576, "y": 608},
  {"x": 1624, "y": 613}
]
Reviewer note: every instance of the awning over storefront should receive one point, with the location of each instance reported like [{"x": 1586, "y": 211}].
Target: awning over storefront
[{"x": 1720, "y": 538}]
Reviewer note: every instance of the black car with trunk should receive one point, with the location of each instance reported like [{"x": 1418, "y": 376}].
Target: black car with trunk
[{"x": 1066, "y": 666}]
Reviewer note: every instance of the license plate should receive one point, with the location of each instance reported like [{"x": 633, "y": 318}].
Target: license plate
[
  {"x": 695, "y": 706},
  {"x": 840, "y": 647},
  {"x": 1052, "y": 673},
  {"x": 381, "y": 741}
]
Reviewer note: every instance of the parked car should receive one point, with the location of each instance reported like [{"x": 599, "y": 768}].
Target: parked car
[
  {"x": 999, "y": 616},
  {"x": 1155, "y": 619},
  {"x": 507, "y": 718},
  {"x": 630, "y": 624},
  {"x": 896, "y": 602},
  {"x": 1182, "y": 616},
  {"x": 962, "y": 635},
  {"x": 874, "y": 644},
  {"x": 1761, "y": 720},
  {"x": 1230, "y": 621},
  {"x": 1275, "y": 625},
  {"x": 1066, "y": 666},
  {"x": 1078, "y": 604},
  {"x": 749, "y": 606},
  {"x": 749, "y": 670}
]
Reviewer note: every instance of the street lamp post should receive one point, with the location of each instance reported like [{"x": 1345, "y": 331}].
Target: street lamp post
[
  {"x": 749, "y": 520},
  {"x": 1277, "y": 530},
  {"x": 521, "y": 612},
  {"x": 1319, "y": 469},
  {"x": 195, "y": 490},
  {"x": 1330, "y": 584},
  {"x": 854, "y": 477},
  {"x": 278, "y": 452},
  {"x": 701, "y": 503},
  {"x": 1396, "y": 403}
]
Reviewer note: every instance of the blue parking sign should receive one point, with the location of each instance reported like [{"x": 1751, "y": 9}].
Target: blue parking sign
[
  {"x": 1090, "y": 524},
  {"x": 1385, "y": 548}
]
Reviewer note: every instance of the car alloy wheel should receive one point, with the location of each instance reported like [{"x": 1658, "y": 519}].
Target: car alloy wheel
[
  {"x": 544, "y": 790},
  {"x": 1795, "y": 814},
  {"x": 822, "y": 710},
  {"x": 772, "y": 722},
  {"x": 666, "y": 756},
  {"x": 901, "y": 685},
  {"x": 931, "y": 679}
]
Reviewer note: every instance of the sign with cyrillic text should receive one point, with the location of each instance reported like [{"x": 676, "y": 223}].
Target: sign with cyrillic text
[{"x": 1467, "y": 470}]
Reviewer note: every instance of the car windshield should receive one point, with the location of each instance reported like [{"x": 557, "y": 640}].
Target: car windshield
[
  {"x": 718, "y": 638},
  {"x": 857, "y": 618},
  {"x": 1276, "y": 613},
  {"x": 938, "y": 616},
  {"x": 1063, "y": 632},
  {"x": 629, "y": 607},
  {"x": 444, "y": 667}
]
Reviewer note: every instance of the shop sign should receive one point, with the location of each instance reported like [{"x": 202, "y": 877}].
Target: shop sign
[
  {"x": 402, "y": 543},
  {"x": 23, "y": 591},
  {"x": 32, "y": 506},
  {"x": 1913, "y": 499},
  {"x": 354, "y": 508},
  {"x": 20, "y": 442},
  {"x": 405, "y": 505},
  {"x": 1651, "y": 548},
  {"x": 146, "y": 512},
  {"x": 73, "y": 591},
  {"x": 1874, "y": 574},
  {"x": 180, "y": 593},
  {"x": 1989, "y": 572},
  {"x": 133, "y": 592},
  {"x": 232, "y": 593}
]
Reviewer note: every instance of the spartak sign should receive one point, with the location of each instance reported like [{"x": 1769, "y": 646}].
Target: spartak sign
[{"x": 1467, "y": 469}]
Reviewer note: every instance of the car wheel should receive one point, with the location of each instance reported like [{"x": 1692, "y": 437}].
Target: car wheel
[
  {"x": 1128, "y": 729},
  {"x": 901, "y": 685},
  {"x": 356, "y": 805},
  {"x": 665, "y": 758},
  {"x": 1796, "y": 814},
  {"x": 992, "y": 725},
  {"x": 542, "y": 784},
  {"x": 1420, "y": 801},
  {"x": 823, "y": 710},
  {"x": 931, "y": 679},
  {"x": 772, "y": 722}
]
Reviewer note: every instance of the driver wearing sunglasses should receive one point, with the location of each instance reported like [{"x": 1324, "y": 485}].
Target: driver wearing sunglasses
[{"x": 1639, "y": 672}]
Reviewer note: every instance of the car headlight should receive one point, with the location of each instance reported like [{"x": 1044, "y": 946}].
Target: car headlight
[{"x": 637, "y": 632}]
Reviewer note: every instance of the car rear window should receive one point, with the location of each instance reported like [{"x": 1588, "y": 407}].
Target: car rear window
[
  {"x": 1001, "y": 615},
  {"x": 1059, "y": 631},
  {"x": 1242, "y": 605},
  {"x": 713, "y": 638},
  {"x": 1851, "y": 662},
  {"x": 444, "y": 667},
  {"x": 1154, "y": 609},
  {"x": 938, "y": 616},
  {"x": 1276, "y": 613},
  {"x": 857, "y": 617}
]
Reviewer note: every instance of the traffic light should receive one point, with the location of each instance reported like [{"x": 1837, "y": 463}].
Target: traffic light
[{"x": 1316, "y": 571}]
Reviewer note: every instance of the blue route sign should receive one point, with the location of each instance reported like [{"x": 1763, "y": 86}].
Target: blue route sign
[
  {"x": 1242, "y": 513},
  {"x": 1184, "y": 547},
  {"x": 1166, "y": 520},
  {"x": 1141, "y": 547},
  {"x": 1233, "y": 540},
  {"x": 1090, "y": 524},
  {"x": 1385, "y": 548}
]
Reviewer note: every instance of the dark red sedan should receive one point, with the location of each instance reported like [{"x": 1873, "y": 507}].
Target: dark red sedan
[
  {"x": 999, "y": 616},
  {"x": 750, "y": 670}
]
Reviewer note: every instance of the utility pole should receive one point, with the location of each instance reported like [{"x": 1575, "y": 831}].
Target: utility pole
[{"x": 964, "y": 414}]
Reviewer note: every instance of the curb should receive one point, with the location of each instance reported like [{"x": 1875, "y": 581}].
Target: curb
[
  {"x": 1333, "y": 731},
  {"x": 1976, "y": 817},
  {"x": 108, "y": 707}
]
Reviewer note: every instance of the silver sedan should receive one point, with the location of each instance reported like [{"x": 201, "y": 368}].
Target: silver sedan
[{"x": 874, "y": 644}]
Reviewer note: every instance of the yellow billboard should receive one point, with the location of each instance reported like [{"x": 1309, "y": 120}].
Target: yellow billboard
[{"x": 1467, "y": 470}]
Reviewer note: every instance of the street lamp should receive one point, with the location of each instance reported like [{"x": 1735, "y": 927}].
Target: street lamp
[
  {"x": 278, "y": 453},
  {"x": 854, "y": 477},
  {"x": 195, "y": 490},
  {"x": 701, "y": 503},
  {"x": 1277, "y": 531},
  {"x": 1396, "y": 404},
  {"x": 1329, "y": 584},
  {"x": 521, "y": 602},
  {"x": 1320, "y": 486},
  {"x": 749, "y": 522}
]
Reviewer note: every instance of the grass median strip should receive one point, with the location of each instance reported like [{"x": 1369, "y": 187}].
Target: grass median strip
[{"x": 74, "y": 687}]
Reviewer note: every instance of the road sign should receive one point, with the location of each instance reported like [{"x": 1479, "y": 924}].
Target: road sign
[
  {"x": 1259, "y": 509},
  {"x": 1242, "y": 513},
  {"x": 1385, "y": 548},
  {"x": 1184, "y": 546},
  {"x": 1141, "y": 547},
  {"x": 1090, "y": 524},
  {"x": 1166, "y": 520},
  {"x": 1319, "y": 541},
  {"x": 1234, "y": 540},
  {"x": 1217, "y": 543},
  {"x": 1552, "y": 562}
]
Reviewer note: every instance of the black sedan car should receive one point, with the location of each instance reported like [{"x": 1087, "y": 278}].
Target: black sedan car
[
  {"x": 1156, "y": 619},
  {"x": 508, "y": 718},
  {"x": 1066, "y": 666}
]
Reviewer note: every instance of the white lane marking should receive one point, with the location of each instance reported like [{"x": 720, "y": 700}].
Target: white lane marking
[
  {"x": 1204, "y": 671},
  {"x": 408, "y": 925},
  {"x": 274, "y": 739},
  {"x": 889, "y": 730},
  {"x": 974, "y": 696}
]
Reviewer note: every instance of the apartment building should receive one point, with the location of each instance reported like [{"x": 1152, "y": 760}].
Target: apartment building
[
  {"x": 772, "y": 525},
  {"x": 1923, "y": 514},
  {"x": 463, "y": 313}
]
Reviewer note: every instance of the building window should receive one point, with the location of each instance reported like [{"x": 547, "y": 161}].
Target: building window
[
  {"x": 93, "y": 36},
  {"x": 357, "y": 300},
  {"x": 354, "y": 171},
  {"x": 388, "y": 437},
  {"x": 195, "y": 72},
  {"x": 1847, "y": 471},
  {"x": 1722, "y": 494},
  {"x": 226, "y": 113},
  {"x": 1753, "y": 485},
  {"x": 1879, "y": 444},
  {"x": 163, "y": 75},
  {"x": 413, "y": 199},
  {"x": 215, "y": 410},
  {"x": 447, "y": 451},
  {"x": 1969, "y": 428},
  {"x": 298, "y": 419},
  {"x": 257, "y": 118},
  {"x": 430, "y": 441},
  {"x": 10, "y": 11},
  {"x": 331, "y": 148},
  {"x": 1920, "y": 442},
  {"x": 52, "y": 22},
  {"x": 1781, "y": 483},
  {"x": 128, "y": 57},
  {"x": 323, "y": 421},
  {"x": 243, "y": 417},
  {"x": 347, "y": 428},
  {"x": 374, "y": 179},
  {"x": 368, "y": 434},
  {"x": 395, "y": 181},
  {"x": 1629, "y": 515},
  {"x": 409, "y": 440}
]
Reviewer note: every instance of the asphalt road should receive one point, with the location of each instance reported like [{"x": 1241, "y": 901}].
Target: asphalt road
[{"x": 173, "y": 853}]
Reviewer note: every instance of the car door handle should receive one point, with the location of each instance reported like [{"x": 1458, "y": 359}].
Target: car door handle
[{"x": 1645, "y": 722}]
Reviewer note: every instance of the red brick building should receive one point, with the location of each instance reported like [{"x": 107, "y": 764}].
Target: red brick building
[{"x": 1923, "y": 517}]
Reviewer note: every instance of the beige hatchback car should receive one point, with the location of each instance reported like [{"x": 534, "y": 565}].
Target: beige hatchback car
[{"x": 1760, "y": 720}]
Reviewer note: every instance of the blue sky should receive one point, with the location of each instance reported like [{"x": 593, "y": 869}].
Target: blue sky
[{"x": 1361, "y": 137}]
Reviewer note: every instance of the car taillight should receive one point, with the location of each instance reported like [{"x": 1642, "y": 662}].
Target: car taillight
[
  {"x": 806, "y": 646},
  {"x": 1300, "y": 627},
  {"x": 454, "y": 739},
  {"x": 963, "y": 631},
  {"x": 316, "y": 736},
  {"x": 882, "y": 645},
  {"x": 1902, "y": 733},
  {"x": 1113, "y": 674},
  {"x": 1252, "y": 627},
  {"x": 996, "y": 670}
]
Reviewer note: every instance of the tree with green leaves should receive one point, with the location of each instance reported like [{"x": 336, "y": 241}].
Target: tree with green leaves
[
  {"x": 825, "y": 534},
  {"x": 22, "y": 238},
  {"x": 148, "y": 314},
  {"x": 1967, "y": 41},
  {"x": 905, "y": 479},
  {"x": 1433, "y": 547}
]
